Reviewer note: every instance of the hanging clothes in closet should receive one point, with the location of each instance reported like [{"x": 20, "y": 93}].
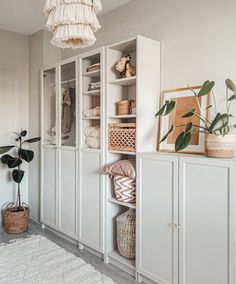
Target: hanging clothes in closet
[{"x": 68, "y": 109}]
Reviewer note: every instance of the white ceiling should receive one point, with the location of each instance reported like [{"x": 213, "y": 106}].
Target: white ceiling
[{"x": 27, "y": 17}]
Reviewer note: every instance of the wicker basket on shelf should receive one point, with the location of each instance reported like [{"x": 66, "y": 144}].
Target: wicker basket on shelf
[
  {"x": 123, "y": 107},
  {"x": 122, "y": 137},
  {"x": 126, "y": 224}
]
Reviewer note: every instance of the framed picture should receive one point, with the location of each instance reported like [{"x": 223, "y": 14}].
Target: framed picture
[{"x": 185, "y": 102}]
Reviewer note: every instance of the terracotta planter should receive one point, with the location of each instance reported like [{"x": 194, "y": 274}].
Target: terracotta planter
[
  {"x": 218, "y": 146},
  {"x": 15, "y": 222}
]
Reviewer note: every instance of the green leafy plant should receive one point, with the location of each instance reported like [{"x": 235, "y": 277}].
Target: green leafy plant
[
  {"x": 218, "y": 125},
  {"x": 15, "y": 162}
]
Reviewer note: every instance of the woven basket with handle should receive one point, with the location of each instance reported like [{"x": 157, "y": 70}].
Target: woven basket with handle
[
  {"x": 16, "y": 221},
  {"x": 122, "y": 136},
  {"x": 126, "y": 224}
]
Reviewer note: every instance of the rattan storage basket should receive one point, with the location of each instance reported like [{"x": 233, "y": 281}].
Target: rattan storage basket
[
  {"x": 125, "y": 189},
  {"x": 126, "y": 224},
  {"x": 123, "y": 107},
  {"x": 15, "y": 222},
  {"x": 122, "y": 137}
]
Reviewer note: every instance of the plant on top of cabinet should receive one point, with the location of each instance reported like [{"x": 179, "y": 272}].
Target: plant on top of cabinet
[
  {"x": 218, "y": 142},
  {"x": 16, "y": 215}
]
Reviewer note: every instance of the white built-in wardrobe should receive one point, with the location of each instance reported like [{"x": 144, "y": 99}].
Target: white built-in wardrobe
[{"x": 185, "y": 208}]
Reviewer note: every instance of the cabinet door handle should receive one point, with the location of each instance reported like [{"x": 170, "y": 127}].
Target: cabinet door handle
[{"x": 174, "y": 226}]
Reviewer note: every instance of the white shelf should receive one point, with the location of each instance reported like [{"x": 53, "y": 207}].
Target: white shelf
[
  {"x": 129, "y": 205},
  {"x": 124, "y": 82},
  {"x": 122, "y": 152},
  {"x": 68, "y": 81},
  {"x": 92, "y": 118},
  {"x": 122, "y": 116},
  {"x": 91, "y": 150},
  {"x": 92, "y": 74},
  {"x": 130, "y": 263},
  {"x": 92, "y": 93}
]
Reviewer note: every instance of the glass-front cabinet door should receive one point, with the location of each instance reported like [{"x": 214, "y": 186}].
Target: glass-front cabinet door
[
  {"x": 49, "y": 118},
  {"x": 68, "y": 104}
]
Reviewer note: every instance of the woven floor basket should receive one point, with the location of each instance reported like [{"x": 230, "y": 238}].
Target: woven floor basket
[
  {"x": 126, "y": 224},
  {"x": 122, "y": 137},
  {"x": 16, "y": 222},
  {"x": 125, "y": 189}
]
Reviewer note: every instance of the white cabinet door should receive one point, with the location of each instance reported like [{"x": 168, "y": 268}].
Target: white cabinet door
[
  {"x": 68, "y": 193},
  {"x": 157, "y": 212},
  {"x": 49, "y": 193},
  {"x": 91, "y": 233},
  {"x": 207, "y": 210}
]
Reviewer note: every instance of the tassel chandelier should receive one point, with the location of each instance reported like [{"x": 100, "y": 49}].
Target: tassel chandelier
[{"x": 73, "y": 22}]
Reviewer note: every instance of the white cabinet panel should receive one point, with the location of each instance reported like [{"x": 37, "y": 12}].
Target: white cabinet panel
[
  {"x": 49, "y": 187},
  {"x": 91, "y": 194},
  {"x": 67, "y": 199},
  {"x": 157, "y": 244},
  {"x": 207, "y": 212}
]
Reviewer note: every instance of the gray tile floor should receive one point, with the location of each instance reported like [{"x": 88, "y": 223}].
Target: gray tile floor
[{"x": 118, "y": 276}]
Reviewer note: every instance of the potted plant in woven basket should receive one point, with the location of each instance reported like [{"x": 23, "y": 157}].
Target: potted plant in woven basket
[
  {"x": 16, "y": 215},
  {"x": 219, "y": 141}
]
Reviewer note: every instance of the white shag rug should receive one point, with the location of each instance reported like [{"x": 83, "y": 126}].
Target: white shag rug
[{"x": 37, "y": 260}]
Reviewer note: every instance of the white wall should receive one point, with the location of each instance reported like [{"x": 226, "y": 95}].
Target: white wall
[
  {"x": 197, "y": 37},
  {"x": 14, "y": 70}
]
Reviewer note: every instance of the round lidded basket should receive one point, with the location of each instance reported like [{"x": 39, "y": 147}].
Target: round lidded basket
[
  {"x": 16, "y": 221},
  {"x": 126, "y": 233},
  {"x": 123, "y": 107}
]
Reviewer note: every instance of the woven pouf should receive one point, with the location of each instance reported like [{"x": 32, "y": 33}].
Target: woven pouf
[
  {"x": 16, "y": 222},
  {"x": 125, "y": 189},
  {"x": 126, "y": 225}
]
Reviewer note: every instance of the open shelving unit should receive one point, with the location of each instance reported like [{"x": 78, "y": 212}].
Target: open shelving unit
[{"x": 143, "y": 89}]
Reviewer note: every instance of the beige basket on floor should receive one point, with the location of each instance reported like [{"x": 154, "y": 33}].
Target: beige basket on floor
[
  {"x": 126, "y": 225},
  {"x": 125, "y": 189},
  {"x": 16, "y": 222},
  {"x": 122, "y": 137}
]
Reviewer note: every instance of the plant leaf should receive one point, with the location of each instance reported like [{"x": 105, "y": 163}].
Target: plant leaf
[
  {"x": 170, "y": 107},
  {"x": 5, "y": 159},
  {"x": 18, "y": 175},
  {"x": 32, "y": 140},
  {"x": 206, "y": 88},
  {"x": 189, "y": 114},
  {"x": 183, "y": 141},
  {"x": 166, "y": 108},
  {"x": 233, "y": 97},
  {"x": 23, "y": 133},
  {"x": 189, "y": 127},
  {"x": 164, "y": 137},
  {"x": 26, "y": 155},
  {"x": 5, "y": 149},
  {"x": 215, "y": 120},
  {"x": 229, "y": 83},
  {"x": 221, "y": 122},
  {"x": 13, "y": 162}
]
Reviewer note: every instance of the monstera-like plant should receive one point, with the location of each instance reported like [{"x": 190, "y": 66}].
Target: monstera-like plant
[
  {"x": 219, "y": 141},
  {"x": 14, "y": 161}
]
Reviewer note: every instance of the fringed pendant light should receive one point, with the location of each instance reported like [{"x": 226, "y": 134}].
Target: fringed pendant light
[{"x": 73, "y": 22}]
